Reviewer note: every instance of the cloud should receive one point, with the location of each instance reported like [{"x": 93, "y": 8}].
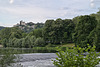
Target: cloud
[
  {"x": 11, "y": 1},
  {"x": 36, "y": 14},
  {"x": 92, "y": 5},
  {"x": 92, "y": 0},
  {"x": 41, "y": 10},
  {"x": 64, "y": 8}
]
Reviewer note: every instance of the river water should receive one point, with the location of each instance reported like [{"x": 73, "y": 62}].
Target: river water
[{"x": 37, "y": 60}]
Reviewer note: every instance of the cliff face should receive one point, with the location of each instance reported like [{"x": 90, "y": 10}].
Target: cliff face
[{"x": 28, "y": 27}]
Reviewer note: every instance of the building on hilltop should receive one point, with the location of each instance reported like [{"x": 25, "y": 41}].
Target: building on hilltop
[
  {"x": 22, "y": 23},
  {"x": 28, "y": 26}
]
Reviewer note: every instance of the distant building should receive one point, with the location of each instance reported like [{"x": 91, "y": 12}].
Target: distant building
[
  {"x": 22, "y": 23},
  {"x": 28, "y": 26}
]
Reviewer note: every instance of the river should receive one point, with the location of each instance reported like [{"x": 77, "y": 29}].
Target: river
[{"x": 37, "y": 60}]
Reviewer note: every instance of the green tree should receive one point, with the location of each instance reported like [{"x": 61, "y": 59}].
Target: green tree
[
  {"x": 83, "y": 28},
  {"x": 37, "y": 32},
  {"x": 69, "y": 26},
  {"x": 54, "y": 31},
  {"x": 47, "y": 34},
  {"x": 97, "y": 37},
  {"x": 5, "y": 33},
  {"x": 8, "y": 34},
  {"x": 32, "y": 40},
  {"x": 39, "y": 42},
  {"x": 26, "y": 42},
  {"x": 4, "y": 42}
]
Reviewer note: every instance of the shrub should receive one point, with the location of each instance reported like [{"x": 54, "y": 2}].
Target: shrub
[
  {"x": 75, "y": 57},
  {"x": 7, "y": 58}
]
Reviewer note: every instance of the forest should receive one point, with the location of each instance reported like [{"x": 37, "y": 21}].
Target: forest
[{"x": 80, "y": 30}]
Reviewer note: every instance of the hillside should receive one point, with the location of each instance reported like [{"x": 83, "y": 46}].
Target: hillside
[
  {"x": 1, "y": 27},
  {"x": 81, "y": 30},
  {"x": 28, "y": 27}
]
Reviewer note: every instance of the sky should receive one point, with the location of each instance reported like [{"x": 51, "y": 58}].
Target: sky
[{"x": 13, "y": 11}]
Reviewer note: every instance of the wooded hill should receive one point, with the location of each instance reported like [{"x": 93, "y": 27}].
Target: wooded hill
[
  {"x": 1, "y": 27},
  {"x": 81, "y": 30}
]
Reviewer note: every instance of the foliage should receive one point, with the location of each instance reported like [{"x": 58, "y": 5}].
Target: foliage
[
  {"x": 6, "y": 58},
  {"x": 37, "y": 33},
  {"x": 39, "y": 42},
  {"x": 58, "y": 31},
  {"x": 10, "y": 33},
  {"x": 97, "y": 37},
  {"x": 30, "y": 50},
  {"x": 1, "y": 27},
  {"x": 84, "y": 27},
  {"x": 39, "y": 25},
  {"x": 79, "y": 30},
  {"x": 97, "y": 15},
  {"x": 75, "y": 57}
]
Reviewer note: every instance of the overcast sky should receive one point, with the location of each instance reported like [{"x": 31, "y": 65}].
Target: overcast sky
[{"x": 12, "y": 11}]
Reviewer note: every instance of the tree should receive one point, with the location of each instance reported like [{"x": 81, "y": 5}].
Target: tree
[
  {"x": 26, "y": 42},
  {"x": 39, "y": 25},
  {"x": 39, "y": 42},
  {"x": 65, "y": 36},
  {"x": 54, "y": 31},
  {"x": 97, "y": 15},
  {"x": 8, "y": 34},
  {"x": 57, "y": 31},
  {"x": 32, "y": 40},
  {"x": 16, "y": 33},
  {"x": 69, "y": 26},
  {"x": 4, "y": 42},
  {"x": 97, "y": 37},
  {"x": 37, "y": 32},
  {"x": 5, "y": 33},
  {"x": 83, "y": 28},
  {"x": 47, "y": 34}
]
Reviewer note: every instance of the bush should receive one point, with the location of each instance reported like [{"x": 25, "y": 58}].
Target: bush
[
  {"x": 6, "y": 58},
  {"x": 75, "y": 57}
]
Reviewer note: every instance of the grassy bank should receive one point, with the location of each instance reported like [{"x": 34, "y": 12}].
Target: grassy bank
[
  {"x": 36, "y": 49},
  {"x": 29, "y": 50}
]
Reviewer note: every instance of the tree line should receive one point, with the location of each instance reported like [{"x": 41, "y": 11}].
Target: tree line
[{"x": 81, "y": 30}]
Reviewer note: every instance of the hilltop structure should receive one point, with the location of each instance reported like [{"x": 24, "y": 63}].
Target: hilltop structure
[
  {"x": 29, "y": 26},
  {"x": 22, "y": 23}
]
